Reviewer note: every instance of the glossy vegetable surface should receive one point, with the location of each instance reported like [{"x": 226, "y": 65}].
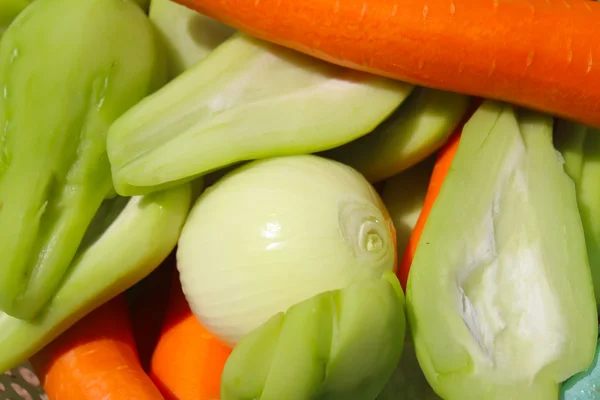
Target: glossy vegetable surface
[
  {"x": 489, "y": 271},
  {"x": 127, "y": 240},
  {"x": 66, "y": 74},
  {"x": 341, "y": 344},
  {"x": 418, "y": 128},
  {"x": 275, "y": 232},
  {"x": 247, "y": 100}
]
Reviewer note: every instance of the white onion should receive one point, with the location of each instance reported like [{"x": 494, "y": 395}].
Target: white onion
[{"x": 278, "y": 231}]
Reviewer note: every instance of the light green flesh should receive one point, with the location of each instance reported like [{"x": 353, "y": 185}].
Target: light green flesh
[
  {"x": 580, "y": 147},
  {"x": 501, "y": 266},
  {"x": 67, "y": 75},
  {"x": 301, "y": 351},
  {"x": 416, "y": 130},
  {"x": 247, "y": 100},
  {"x": 369, "y": 341},
  {"x": 118, "y": 252},
  {"x": 188, "y": 35},
  {"x": 404, "y": 195},
  {"x": 257, "y": 349},
  {"x": 338, "y": 345},
  {"x": 9, "y": 9}
]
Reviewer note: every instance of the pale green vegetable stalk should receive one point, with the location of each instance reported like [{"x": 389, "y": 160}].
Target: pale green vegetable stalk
[
  {"x": 9, "y": 9},
  {"x": 404, "y": 195},
  {"x": 500, "y": 297},
  {"x": 68, "y": 69},
  {"x": 127, "y": 240},
  {"x": 275, "y": 232},
  {"x": 416, "y": 130},
  {"x": 580, "y": 147},
  {"x": 188, "y": 35},
  {"x": 247, "y": 100},
  {"x": 338, "y": 345}
]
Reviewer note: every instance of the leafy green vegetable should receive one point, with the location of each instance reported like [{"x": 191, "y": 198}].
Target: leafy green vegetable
[
  {"x": 580, "y": 147},
  {"x": 188, "y": 35},
  {"x": 341, "y": 344},
  {"x": 247, "y": 100},
  {"x": 67, "y": 74},
  {"x": 500, "y": 298},
  {"x": 127, "y": 240},
  {"x": 275, "y": 232},
  {"x": 417, "y": 129}
]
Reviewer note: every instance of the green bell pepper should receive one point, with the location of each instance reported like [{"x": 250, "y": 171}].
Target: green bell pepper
[
  {"x": 341, "y": 344},
  {"x": 127, "y": 240},
  {"x": 69, "y": 68},
  {"x": 500, "y": 297}
]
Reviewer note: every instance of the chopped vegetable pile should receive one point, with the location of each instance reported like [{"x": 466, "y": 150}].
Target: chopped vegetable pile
[{"x": 358, "y": 200}]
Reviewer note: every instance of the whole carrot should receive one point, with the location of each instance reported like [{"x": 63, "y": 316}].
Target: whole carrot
[
  {"x": 188, "y": 361},
  {"x": 543, "y": 54},
  {"x": 95, "y": 359}
]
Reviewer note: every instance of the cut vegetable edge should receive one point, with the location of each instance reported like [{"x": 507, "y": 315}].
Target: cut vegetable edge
[{"x": 515, "y": 150}]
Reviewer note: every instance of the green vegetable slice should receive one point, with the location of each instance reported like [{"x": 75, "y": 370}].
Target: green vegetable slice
[
  {"x": 500, "y": 297},
  {"x": 128, "y": 239},
  {"x": 416, "y": 130},
  {"x": 247, "y": 100},
  {"x": 341, "y": 344},
  {"x": 67, "y": 74},
  {"x": 9, "y": 9},
  {"x": 188, "y": 35},
  {"x": 580, "y": 147}
]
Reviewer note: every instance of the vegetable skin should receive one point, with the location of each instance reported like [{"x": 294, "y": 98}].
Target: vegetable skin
[
  {"x": 247, "y": 100},
  {"x": 67, "y": 75},
  {"x": 130, "y": 240}
]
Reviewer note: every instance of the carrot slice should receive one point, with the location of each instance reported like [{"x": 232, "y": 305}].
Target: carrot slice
[
  {"x": 188, "y": 361},
  {"x": 95, "y": 359},
  {"x": 536, "y": 53}
]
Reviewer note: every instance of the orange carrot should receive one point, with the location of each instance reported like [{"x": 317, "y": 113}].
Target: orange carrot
[
  {"x": 149, "y": 308},
  {"x": 95, "y": 359},
  {"x": 543, "y": 54},
  {"x": 188, "y": 361}
]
